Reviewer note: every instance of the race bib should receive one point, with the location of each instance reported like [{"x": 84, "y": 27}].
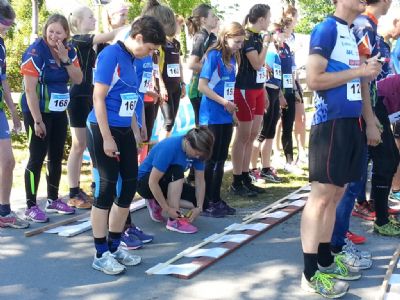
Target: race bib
[
  {"x": 261, "y": 75},
  {"x": 287, "y": 81},
  {"x": 173, "y": 70},
  {"x": 229, "y": 88},
  {"x": 354, "y": 90},
  {"x": 146, "y": 81},
  {"x": 277, "y": 72},
  {"x": 156, "y": 70},
  {"x": 58, "y": 102},
  {"x": 128, "y": 104}
]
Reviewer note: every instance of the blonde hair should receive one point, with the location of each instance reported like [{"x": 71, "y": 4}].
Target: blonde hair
[
  {"x": 231, "y": 30},
  {"x": 76, "y": 17},
  {"x": 112, "y": 8},
  {"x": 163, "y": 14}
]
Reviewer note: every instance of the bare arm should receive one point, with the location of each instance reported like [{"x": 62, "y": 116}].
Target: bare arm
[
  {"x": 209, "y": 93},
  {"x": 8, "y": 100},
  {"x": 195, "y": 64},
  {"x": 75, "y": 73},
  {"x": 105, "y": 37},
  {"x": 257, "y": 60}
]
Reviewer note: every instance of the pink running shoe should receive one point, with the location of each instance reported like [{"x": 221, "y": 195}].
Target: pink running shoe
[
  {"x": 155, "y": 210},
  {"x": 57, "y": 206},
  {"x": 35, "y": 214},
  {"x": 181, "y": 225}
]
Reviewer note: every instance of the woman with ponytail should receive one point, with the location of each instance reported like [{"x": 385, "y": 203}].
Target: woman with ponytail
[{"x": 217, "y": 111}]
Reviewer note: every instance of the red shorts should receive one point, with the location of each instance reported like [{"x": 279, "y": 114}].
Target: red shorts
[{"x": 250, "y": 103}]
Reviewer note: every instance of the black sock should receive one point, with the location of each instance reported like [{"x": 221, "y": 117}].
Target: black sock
[
  {"x": 237, "y": 180},
  {"x": 310, "y": 265},
  {"x": 5, "y": 209},
  {"x": 325, "y": 257},
  {"x": 101, "y": 246},
  {"x": 336, "y": 249},
  {"x": 265, "y": 170},
  {"x": 395, "y": 191},
  {"x": 114, "y": 239},
  {"x": 246, "y": 178},
  {"x": 381, "y": 195},
  {"x": 73, "y": 191}
]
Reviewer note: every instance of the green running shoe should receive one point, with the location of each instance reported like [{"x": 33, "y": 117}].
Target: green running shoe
[
  {"x": 324, "y": 285},
  {"x": 339, "y": 270},
  {"x": 389, "y": 229}
]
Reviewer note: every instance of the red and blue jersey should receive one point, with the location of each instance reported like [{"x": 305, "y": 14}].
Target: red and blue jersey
[
  {"x": 52, "y": 88},
  {"x": 115, "y": 68},
  {"x": 221, "y": 79},
  {"x": 166, "y": 153},
  {"x": 334, "y": 40}
]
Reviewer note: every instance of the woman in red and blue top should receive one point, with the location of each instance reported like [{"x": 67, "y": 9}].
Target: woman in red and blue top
[
  {"x": 217, "y": 82},
  {"x": 47, "y": 67},
  {"x": 250, "y": 98},
  {"x": 112, "y": 137}
]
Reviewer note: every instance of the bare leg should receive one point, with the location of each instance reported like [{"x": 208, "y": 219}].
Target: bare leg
[
  {"x": 7, "y": 164},
  {"x": 300, "y": 129},
  {"x": 238, "y": 147},
  {"x": 174, "y": 193},
  {"x": 99, "y": 219},
  {"x": 266, "y": 151},
  {"x": 255, "y": 153},
  {"x": 117, "y": 218},
  {"x": 255, "y": 130}
]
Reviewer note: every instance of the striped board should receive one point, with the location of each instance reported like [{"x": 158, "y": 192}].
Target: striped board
[
  {"x": 234, "y": 237},
  {"x": 390, "y": 289}
]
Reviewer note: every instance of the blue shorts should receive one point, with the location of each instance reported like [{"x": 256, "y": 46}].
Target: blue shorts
[{"x": 4, "y": 128}]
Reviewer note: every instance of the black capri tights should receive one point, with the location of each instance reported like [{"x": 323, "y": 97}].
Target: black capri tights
[
  {"x": 107, "y": 170},
  {"x": 271, "y": 117},
  {"x": 169, "y": 109}
]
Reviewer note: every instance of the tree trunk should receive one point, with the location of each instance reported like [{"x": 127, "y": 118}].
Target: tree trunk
[{"x": 35, "y": 20}]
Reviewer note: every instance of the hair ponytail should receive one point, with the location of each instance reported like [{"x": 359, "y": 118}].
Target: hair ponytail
[{"x": 193, "y": 23}]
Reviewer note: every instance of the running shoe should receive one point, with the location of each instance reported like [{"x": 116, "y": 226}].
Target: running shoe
[
  {"x": 242, "y": 190},
  {"x": 107, "y": 264},
  {"x": 214, "y": 211},
  {"x": 58, "y": 206},
  {"x": 350, "y": 259},
  {"x": 293, "y": 169},
  {"x": 350, "y": 247},
  {"x": 255, "y": 175},
  {"x": 226, "y": 208},
  {"x": 389, "y": 229},
  {"x": 269, "y": 175},
  {"x": 355, "y": 238},
  {"x": 364, "y": 211},
  {"x": 130, "y": 242},
  {"x": 395, "y": 196},
  {"x": 254, "y": 188},
  {"x": 339, "y": 270},
  {"x": 136, "y": 231},
  {"x": 126, "y": 258},
  {"x": 324, "y": 285},
  {"x": 181, "y": 225},
  {"x": 13, "y": 221},
  {"x": 80, "y": 201},
  {"x": 155, "y": 210},
  {"x": 35, "y": 214}
]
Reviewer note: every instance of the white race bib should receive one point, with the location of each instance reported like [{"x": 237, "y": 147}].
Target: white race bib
[
  {"x": 354, "y": 90},
  {"x": 156, "y": 70},
  {"x": 146, "y": 81},
  {"x": 287, "y": 81},
  {"x": 128, "y": 104},
  {"x": 262, "y": 75},
  {"x": 173, "y": 70},
  {"x": 58, "y": 102},
  {"x": 229, "y": 88},
  {"x": 277, "y": 72}
]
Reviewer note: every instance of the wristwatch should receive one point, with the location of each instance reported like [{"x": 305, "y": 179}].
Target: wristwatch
[{"x": 67, "y": 63}]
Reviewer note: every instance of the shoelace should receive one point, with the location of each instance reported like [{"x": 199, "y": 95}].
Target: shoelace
[
  {"x": 324, "y": 279},
  {"x": 350, "y": 247},
  {"x": 340, "y": 265}
]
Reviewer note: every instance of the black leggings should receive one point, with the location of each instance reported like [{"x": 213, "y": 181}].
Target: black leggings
[
  {"x": 288, "y": 116},
  {"x": 385, "y": 159},
  {"x": 173, "y": 173},
  {"x": 52, "y": 146},
  {"x": 214, "y": 170},
  {"x": 106, "y": 170},
  {"x": 150, "y": 111},
  {"x": 271, "y": 117},
  {"x": 169, "y": 109},
  {"x": 196, "y": 108}
]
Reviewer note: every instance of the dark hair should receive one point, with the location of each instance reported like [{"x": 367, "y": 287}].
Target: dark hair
[
  {"x": 256, "y": 12},
  {"x": 194, "y": 21},
  {"x": 6, "y": 10},
  {"x": 163, "y": 14},
  {"x": 151, "y": 30},
  {"x": 57, "y": 18},
  {"x": 201, "y": 139},
  {"x": 290, "y": 11},
  {"x": 369, "y": 2}
]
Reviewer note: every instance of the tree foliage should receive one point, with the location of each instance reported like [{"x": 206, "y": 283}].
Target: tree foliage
[{"x": 312, "y": 12}]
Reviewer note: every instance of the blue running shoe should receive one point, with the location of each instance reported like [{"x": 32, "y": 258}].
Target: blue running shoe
[{"x": 136, "y": 231}]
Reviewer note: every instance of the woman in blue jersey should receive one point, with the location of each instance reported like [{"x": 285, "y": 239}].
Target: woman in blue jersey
[
  {"x": 82, "y": 22},
  {"x": 160, "y": 179},
  {"x": 7, "y": 162},
  {"x": 217, "y": 81},
  {"x": 112, "y": 137},
  {"x": 47, "y": 67},
  {"x": 271, "y": 116}
]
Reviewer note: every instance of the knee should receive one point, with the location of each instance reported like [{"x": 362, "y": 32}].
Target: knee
[
  {"x": 8, "y": 164},
  {"x": 78, "y": 147}
]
